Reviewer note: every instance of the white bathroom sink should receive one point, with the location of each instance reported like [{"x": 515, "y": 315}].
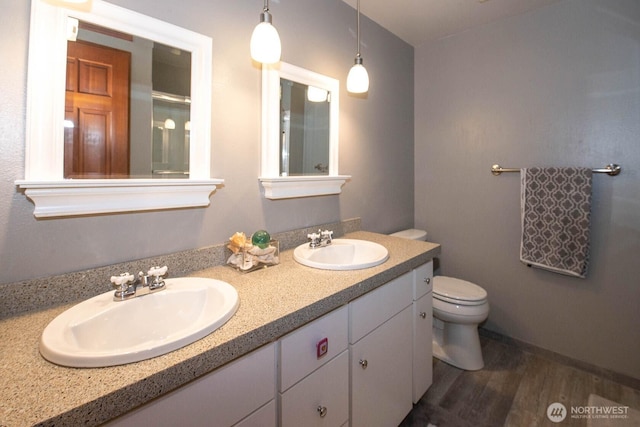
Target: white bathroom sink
[
  {"x": 101, "y": 332},
  {"x": 342, "y": 254}
]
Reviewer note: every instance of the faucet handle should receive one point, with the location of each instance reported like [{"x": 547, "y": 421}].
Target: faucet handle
[
  {"x": 122, "y": 281},
  {"x": 313, "y": 236},
  {"x": 157, "y": 271}
]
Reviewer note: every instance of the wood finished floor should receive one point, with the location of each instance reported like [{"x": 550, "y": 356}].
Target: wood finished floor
[{"x": 514, "y": 389}]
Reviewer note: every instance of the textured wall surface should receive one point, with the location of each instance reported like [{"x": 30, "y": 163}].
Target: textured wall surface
[
  {"x": 376, "y": 135},
  {"x": 559, "y": 86}
]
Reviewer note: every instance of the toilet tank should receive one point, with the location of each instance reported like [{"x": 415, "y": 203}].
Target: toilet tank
[{"x": 412, "y": 233}]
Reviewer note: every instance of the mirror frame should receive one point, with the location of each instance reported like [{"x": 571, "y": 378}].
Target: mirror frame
[
  {"x": 285, "y": 187},
  {"x": 44, "y": 183}
]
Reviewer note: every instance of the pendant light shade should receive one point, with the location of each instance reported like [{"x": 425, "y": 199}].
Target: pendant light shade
[
  {"x": 265, "y": 41},
  {"x": 316, "y": 94},
  {"x": 358, "y": 78},
  {"x": 169, "y": 124}
]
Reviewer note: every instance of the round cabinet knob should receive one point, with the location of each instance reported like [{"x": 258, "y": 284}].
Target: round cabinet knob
[
  {"x": 427, "y": 280},
  {"x": 423, "y": 315},
  {"x": 322, "y": 411},
  {"x": 363, "y": 363}
]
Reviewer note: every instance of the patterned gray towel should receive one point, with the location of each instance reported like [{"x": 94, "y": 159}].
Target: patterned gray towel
[{"x": 555, "y": 209}]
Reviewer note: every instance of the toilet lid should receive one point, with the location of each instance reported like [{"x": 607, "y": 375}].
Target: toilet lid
[
  {"x": 412, "y": 233},
  {"x": 457, "y": 289}
]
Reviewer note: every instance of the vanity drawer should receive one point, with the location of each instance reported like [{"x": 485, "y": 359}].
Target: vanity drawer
[
  {"x": 321, "y": 399},
  {"x": 373, "y": 309},
  {"x": 423, "y": 279},
  {"x": 308, "y": 348},
  {"x": 219, "y": 399}
]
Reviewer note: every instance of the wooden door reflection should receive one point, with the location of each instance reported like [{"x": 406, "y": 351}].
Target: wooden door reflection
[{"x": 96, "y": 112}]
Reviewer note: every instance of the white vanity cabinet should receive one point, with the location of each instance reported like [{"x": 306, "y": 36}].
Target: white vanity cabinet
[
  {"x": 362, "y": 364},
  {"x": 314, "y": 373},
  {"x": 241, "y": 393},
  {"x": 422, "y": 333},
  {"x": 380, "y": 351}
]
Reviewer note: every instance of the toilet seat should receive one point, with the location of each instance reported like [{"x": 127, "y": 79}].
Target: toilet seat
[{"x": 457, "y": 291}]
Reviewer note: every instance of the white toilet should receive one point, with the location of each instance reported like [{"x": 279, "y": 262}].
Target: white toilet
[{"x": 458, "y": 308}]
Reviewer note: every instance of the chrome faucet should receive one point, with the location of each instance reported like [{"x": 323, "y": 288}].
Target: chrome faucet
[
  {"x": 127, "y": 286},
  {"x": 320, "y": 239}
]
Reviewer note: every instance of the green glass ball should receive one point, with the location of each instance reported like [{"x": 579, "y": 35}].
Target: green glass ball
[{"x": 261, "y": 239}]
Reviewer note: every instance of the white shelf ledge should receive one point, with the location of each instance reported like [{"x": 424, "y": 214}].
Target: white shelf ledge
[
  {"x": 287, "y": 187},
  {"x": 99, "y": 196}
]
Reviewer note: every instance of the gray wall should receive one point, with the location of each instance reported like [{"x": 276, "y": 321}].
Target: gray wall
[
  {"x": 558, "y": 86},
  {"x": 376, "y": 135}
]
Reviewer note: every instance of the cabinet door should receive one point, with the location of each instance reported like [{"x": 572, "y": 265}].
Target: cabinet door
[
  {"x": 423, "y": 280},
  {"x": 220, "y": 398},
  {"x": 381, "y": 365},
  {"x": 321, "y": 399},
  {"x": 422, "y": 346}
]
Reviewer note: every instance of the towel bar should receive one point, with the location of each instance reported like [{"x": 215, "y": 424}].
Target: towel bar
[{"x": 611, "y": 169}]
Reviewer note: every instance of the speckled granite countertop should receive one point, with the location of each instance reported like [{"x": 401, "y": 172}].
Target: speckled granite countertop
[{"x": 273, "y": 302}]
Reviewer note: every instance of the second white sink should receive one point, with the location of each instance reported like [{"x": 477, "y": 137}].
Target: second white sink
[
  {"x": 342, "y": 254},
  {"x": 100, "y": 332}
]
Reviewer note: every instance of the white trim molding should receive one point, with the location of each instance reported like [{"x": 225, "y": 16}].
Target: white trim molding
[
  {"x": 101, "y": 196},
  {"x": 287, "y": 187},
  {"x": 43, "y": 182}
]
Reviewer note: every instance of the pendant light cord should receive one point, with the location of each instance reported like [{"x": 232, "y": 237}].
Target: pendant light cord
[
  {"x": 358, "y": 28},
  {"x": 358, "y": 78}
]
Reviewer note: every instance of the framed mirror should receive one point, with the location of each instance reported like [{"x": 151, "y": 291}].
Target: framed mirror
[
  {"x": 152, "y": 178},
  {"x": 300, "y": 111},
  {"x": 304, "y": 129},
  {"x": 127, "y": 106}
]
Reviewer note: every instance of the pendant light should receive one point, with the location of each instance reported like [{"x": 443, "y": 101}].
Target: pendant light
[
  {"x": 316, "y": 94},
  {"x": 358, "y": 78},
  {"x": 265, "y": 41}
]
